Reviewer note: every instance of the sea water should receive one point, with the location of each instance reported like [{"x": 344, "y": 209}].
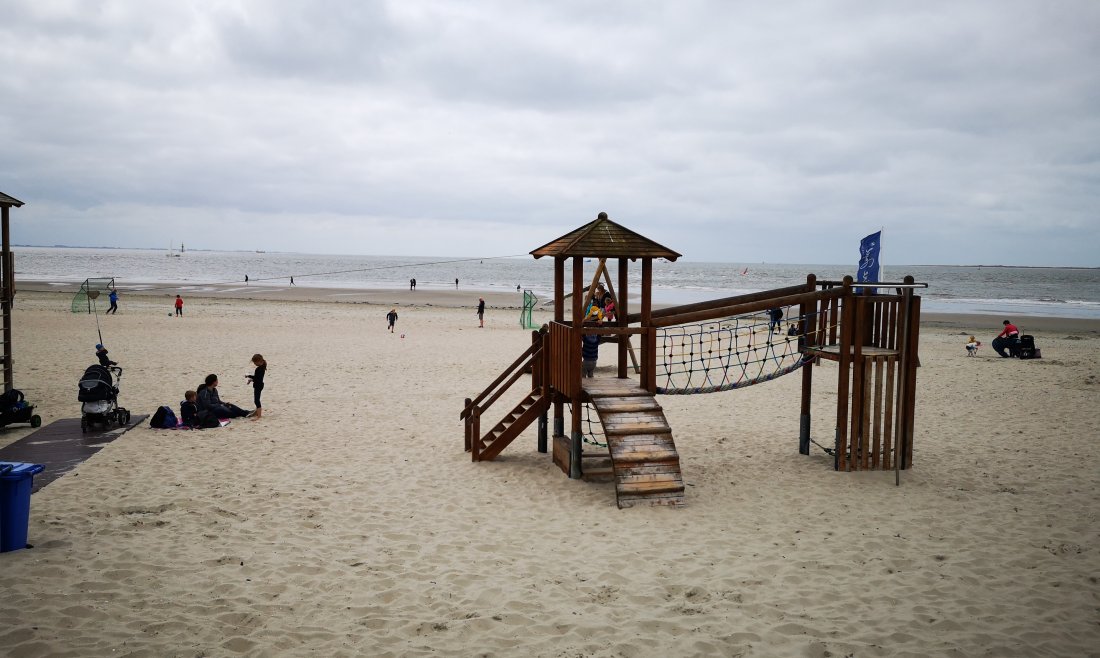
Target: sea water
[{"x": 1008, "y": 291}]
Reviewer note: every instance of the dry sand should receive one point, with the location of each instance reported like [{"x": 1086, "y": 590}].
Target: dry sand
[{"x": 348, "y": 521}]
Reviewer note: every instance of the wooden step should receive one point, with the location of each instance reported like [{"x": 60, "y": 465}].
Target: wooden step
[
  {"x": 649, "y": 488},
  {"x": 626, "y": 404}
]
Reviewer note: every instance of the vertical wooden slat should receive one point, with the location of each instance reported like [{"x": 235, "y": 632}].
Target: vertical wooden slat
[
  {"x": 475, "y": 433},
  {"x": 804, "y": 328},
  {"x": 876, "y": 456},
  {"x": 888, "y": 422},
  {"x": 865, "y": 426},
  {"x": 858, "y": 392},
  {"x": 892, "y": 327}
]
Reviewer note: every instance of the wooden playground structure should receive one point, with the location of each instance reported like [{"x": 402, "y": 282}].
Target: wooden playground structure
[
  {"x": 871, "y": 332},
  {"x": 7, "y": 284}
]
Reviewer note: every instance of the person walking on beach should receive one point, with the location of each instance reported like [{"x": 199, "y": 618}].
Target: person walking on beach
[
  {"x": 257, "y": 381},
  {"x": 246, "y": 279},
  {"x": 179, "y": 306},
  {"x": 114, "y": 302},
  {"x": 291, "y": 280},
  {"x": 481, "y": 312},
  {"x": 391, "y": 318},
  {"x": 412, "y": 284},
  {"x": 456, "y": 284}
]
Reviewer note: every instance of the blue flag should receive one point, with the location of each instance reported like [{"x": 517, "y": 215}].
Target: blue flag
[{"x": 870, "y": 248}]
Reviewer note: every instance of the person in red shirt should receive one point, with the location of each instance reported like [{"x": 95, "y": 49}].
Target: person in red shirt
[
  {"x": 1008, "y": 338},
  {"x": 179, "y": 306}
]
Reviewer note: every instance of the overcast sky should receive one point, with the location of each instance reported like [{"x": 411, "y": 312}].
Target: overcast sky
[{"x": 728, "y": 131}]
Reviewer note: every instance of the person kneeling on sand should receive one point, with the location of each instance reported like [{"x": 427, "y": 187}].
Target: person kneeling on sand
[{"x": 210, "y": 401}]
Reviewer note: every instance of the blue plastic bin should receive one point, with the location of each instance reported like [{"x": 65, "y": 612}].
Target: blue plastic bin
[{"x": 16, "y": 480}]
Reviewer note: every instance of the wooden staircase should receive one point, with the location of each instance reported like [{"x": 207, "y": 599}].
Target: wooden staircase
[
  {"x": 512, "y": 425},
  {"x": 644, "y": 460}
]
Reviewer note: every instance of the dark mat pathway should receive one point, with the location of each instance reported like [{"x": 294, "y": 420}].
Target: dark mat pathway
[{"x": 61, "y": 447}]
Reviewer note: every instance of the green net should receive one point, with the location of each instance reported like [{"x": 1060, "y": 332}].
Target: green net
[
  {"x": 529, "y": 301},
  {"x": 91, "y": 289}
]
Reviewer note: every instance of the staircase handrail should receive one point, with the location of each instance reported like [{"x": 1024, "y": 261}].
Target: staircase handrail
[{"x": 519, "y": 366}]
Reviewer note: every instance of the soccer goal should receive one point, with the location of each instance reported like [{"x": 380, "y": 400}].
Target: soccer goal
[{"x": 90, "y": 290}]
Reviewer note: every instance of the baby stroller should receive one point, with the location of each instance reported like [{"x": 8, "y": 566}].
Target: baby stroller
[
  {"x": 99, "y": 393},
  {"x": 14, "y": 409}
]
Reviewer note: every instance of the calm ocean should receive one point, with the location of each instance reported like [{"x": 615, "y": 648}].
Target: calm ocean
[{"x": 1009, "y": 291}]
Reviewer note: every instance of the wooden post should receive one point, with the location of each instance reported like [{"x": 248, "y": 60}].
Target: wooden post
[
  {"x": 807, "y": 372},
  {"x": 538, "y": 377},
  {"x": 575, "y": 370},
  {"x": 649, "y": 337},
  {"x": 914, "y": 361},
  {"x": 475, "y": 434},
  {"x": 466, "y": 429},
  {"x": 844, "y": 361},
  {"x": 5, "y": 304},
  {"x": 621, "y": 313},
  {"x": 876, "y": 458},
  {"x": 559, "y": 316},
  {"x": 903, "y": 381}
]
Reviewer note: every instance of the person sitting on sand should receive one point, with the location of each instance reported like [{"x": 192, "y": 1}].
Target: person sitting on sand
[
  {"x": 1009, "y": 339},
  {"x": 189, "y": 409},
  {"x": 211, "y": 402}
]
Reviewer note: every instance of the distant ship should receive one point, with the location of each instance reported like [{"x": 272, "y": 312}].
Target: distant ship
[{"x": 260, "y": 251}]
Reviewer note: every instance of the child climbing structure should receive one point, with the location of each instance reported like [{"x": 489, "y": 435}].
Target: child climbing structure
[{"x": 707, "y": 347}]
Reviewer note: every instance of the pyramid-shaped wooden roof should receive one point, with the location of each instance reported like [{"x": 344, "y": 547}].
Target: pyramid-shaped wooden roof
[
  {"x": 6, "y": 200},
  {"x": 603, "y": 238}
]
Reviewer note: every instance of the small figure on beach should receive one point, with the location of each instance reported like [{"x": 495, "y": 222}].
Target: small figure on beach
[
  {"x": 391, "y": 319},
  {"x": 412, "y": 284},
  {"x": 456, "y": 284},
  {"x": 972, "y": 345},
  {"x": 481, "y": 312},
  {"x": 246, "y": 279},
  {"x": 257, "y": 381},
  {"x": 1009, "y": 339},
  {"x": 291, "y": 280},
  {"x": 179, "y": 306},
  {"x": 114, "y": 302},
  {"x": 211, "y": 402},
  {"x": 101, "y": 354},
  {"x": 517, "y": 287}
]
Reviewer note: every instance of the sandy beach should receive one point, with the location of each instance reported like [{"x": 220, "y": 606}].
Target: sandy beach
[{"x": 349, "y": 521}]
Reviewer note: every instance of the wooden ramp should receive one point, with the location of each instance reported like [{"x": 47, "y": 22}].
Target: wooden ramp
[
  {"x": 61, "y": 446},
  {"x": 643, "y": 455}
]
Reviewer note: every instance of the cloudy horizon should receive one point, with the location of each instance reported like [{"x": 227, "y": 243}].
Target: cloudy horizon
[{"x": 726, "y": 131}]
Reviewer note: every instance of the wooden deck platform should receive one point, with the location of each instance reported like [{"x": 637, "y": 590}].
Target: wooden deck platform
[
  {"x": 832, "y": 352},
  {"x": 61, "y": 447}
]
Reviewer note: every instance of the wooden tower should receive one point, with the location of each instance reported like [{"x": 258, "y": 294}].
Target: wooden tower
[{"x": 7, "y": 284}]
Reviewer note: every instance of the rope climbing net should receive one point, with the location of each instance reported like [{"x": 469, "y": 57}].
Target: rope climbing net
[{"x": 723, "y": 355}]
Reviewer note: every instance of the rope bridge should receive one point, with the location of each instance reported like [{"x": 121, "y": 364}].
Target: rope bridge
[{"x": 731, "y": 353}]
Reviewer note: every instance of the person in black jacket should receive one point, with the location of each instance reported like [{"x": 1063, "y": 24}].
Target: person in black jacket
[
  {"x": 210, "y": 401},
  {"x": 257, "y": 381},
  {"x": 189, "y": 409}
]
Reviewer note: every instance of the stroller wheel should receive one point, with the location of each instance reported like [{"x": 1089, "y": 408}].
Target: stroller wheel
[
  {"x": 125, "y": 416},
  {"x": 36, "y": 421}
]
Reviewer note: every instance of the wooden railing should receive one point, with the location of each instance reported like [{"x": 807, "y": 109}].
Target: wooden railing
[
  {"x": 565, "y": 359},
  {"x": 531, "y": 361}
]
